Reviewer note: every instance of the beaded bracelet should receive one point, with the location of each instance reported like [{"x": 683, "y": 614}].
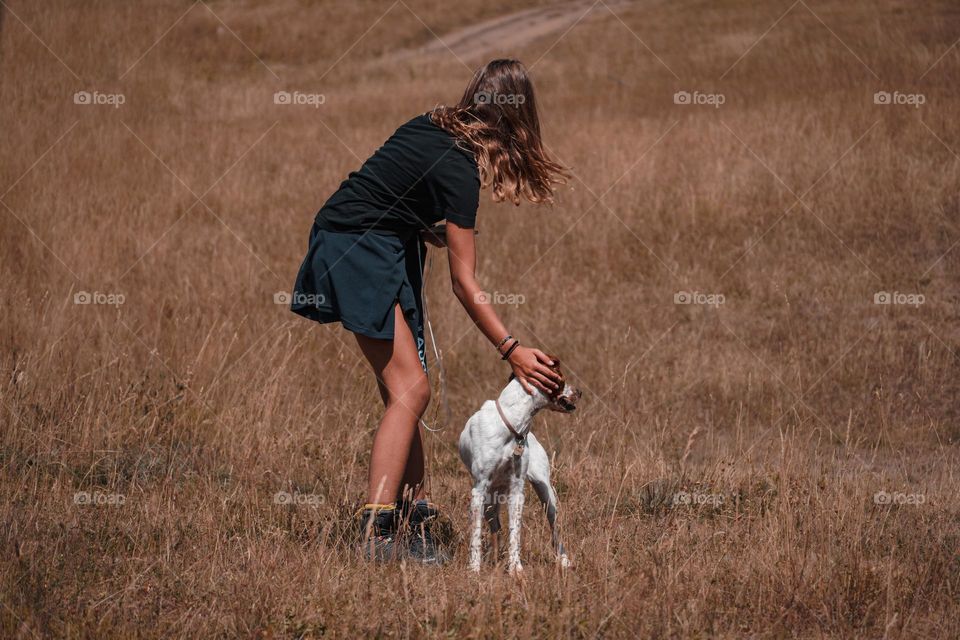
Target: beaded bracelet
[{"x": 516, "y": 343}]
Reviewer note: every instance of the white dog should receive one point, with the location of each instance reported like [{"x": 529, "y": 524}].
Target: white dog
[{"x": 499, "y": 451}]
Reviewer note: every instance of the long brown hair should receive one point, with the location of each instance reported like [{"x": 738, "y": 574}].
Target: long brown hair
[{"x": 497, "y": 120}]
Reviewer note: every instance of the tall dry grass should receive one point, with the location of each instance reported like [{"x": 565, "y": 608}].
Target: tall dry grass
[{"x": 778, "y": 415}]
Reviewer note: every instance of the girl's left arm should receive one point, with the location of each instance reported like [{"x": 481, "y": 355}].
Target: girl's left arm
[
  {"x": 530, "y": 365},
  {"x": 462, "y": 253}
]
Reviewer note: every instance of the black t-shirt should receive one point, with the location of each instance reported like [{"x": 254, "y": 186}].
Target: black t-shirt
[{"x": 416, "y": 179}]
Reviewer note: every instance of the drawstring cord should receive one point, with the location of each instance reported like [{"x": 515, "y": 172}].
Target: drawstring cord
[{"x": 436, "y": 350}]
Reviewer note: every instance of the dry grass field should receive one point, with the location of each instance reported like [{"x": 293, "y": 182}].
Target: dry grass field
[{"x": 757, "y": 288}]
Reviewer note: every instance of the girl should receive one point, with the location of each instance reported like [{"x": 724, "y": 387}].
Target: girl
[{"x": 364, "y": 268}]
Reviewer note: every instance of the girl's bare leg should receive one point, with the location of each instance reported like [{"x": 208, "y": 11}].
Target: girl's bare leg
[
  {"x": 413, "y": 486},
  {"x": 397, "y": 456}
]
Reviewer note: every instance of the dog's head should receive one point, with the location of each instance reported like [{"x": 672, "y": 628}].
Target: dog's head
[{"x": 565, "y": 397}]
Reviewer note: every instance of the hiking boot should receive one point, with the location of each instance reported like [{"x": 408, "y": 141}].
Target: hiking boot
[
  {"x": 378, "y": 531},
  {"x": 421, "y": 518}
]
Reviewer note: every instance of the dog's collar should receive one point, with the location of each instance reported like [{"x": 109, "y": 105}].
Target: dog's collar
[{"x": 521, "y": 439}]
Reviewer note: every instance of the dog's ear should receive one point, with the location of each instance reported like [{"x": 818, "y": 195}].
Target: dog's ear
[
  {"x": 556, "y": 364},
  {"x": 555, "y": 367}
]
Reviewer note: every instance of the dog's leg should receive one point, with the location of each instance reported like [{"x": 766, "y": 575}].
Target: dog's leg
[
  {"x": 491, "y": 511},
  {"x": 549, "y": 499},
  {"x": 476, "y": 524},
  {"x": 539, "y": 475},
  {"x": 514, "y": 519}
]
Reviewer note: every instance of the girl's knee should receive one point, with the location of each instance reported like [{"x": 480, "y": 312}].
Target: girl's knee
[
  {"x": 416, "y": 397},
  {"x": 421, "y": 393}
]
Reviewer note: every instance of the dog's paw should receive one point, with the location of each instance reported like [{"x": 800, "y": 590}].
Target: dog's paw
[
  {"x": 475, "y": 567},
  {"x": 516, "y": 570},
  {"x": 565, "y": 562}
]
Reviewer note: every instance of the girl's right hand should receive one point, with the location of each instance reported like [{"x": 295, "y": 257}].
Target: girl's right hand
[{"x": 532, "y": 366}]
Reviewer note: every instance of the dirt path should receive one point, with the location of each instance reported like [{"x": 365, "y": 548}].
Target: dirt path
[{"x": 504, "y": 34}]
